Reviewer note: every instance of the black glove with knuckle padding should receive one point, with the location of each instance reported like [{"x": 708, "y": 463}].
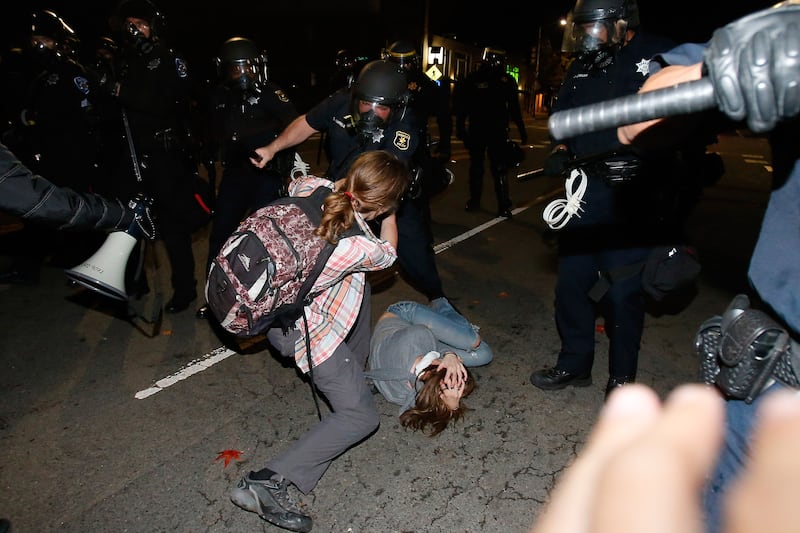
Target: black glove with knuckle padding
[{"x": 754, "y": 65}]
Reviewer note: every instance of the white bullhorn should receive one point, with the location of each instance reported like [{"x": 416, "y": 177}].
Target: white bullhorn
[{"x": 104, "y": 272}]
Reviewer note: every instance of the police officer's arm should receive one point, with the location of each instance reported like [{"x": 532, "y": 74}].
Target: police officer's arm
[
  {"x": 295, "y": 133},
  {"x": 34, "y": 198},
  {"x": 752, "y": 65}
]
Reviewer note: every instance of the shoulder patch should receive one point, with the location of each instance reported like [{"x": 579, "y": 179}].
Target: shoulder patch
[
  {"x": 181, "y": 68},
  {"x": 82, "y": 84},
  {"x": 281, "y": 95},
  {"x": 401, "y": 140}
]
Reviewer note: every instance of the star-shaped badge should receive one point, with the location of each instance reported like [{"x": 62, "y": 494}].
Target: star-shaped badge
[{"x": 643, "y": 67}]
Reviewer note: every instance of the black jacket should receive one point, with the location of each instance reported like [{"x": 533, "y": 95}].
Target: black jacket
[{"x": 34, "y": 198}]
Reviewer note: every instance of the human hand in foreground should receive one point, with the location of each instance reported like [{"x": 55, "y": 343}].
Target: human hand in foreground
[{"x": 644, "y": 466}]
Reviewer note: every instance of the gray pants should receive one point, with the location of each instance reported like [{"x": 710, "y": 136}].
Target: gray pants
[{"x": 354, "y": 414}]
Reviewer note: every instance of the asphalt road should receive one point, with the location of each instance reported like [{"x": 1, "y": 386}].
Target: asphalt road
[{"x": 106, "y": 429}]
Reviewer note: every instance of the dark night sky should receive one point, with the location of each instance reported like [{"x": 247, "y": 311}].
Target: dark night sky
[{"x": 302, "y": 36}]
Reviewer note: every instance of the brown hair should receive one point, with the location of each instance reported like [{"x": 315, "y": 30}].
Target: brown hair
[
  {"x": 376, "y": 180},
  {"x": 430, "y": 414}
]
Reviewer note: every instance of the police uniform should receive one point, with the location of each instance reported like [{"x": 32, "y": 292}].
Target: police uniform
[
  {"x": 427, "y": 99},
  {"x": 153, "y": 94},
  {"x": 487, "y": 100},
  {"x": 615, "y": 229},
  {"x": 400, "y": 137},
  {"x": 60, "y": 116},
  {"x": 241, "y": 122}
]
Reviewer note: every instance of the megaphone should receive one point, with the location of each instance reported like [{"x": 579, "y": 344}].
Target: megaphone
[{"x": 104, "y": 271}]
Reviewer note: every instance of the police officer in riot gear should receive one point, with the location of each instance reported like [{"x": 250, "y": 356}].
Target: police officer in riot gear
[
  {"x": 60, "y": 111},
  {"x": 426, "y": 99},
  {"x": 628, "y": 206},
  {"x": 246, "y": 111},
  {"x": 152, "y": 90},
  {"x": 485, "y": 102},
  {"x": 58, "y": 123},
  {"x": 372, "y": 115}
]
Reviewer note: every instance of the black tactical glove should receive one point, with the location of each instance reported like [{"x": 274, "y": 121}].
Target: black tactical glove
[
  {"x": 754, "y": 64},
  {"x": 556, "y": 163},
  {"x": 143, "y": 224}
]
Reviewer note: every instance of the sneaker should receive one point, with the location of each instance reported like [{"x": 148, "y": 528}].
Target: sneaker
[{"x": 271, "y": 501}]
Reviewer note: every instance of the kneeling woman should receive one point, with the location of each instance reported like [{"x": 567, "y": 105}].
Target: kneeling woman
[{"x": 418, "y": 359}]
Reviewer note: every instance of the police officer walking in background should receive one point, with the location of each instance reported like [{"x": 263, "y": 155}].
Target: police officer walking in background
[
  {"x": 152, "y": 89},
  {"x": 246, "y": 111},
  {"x": 484, "y": 103}
]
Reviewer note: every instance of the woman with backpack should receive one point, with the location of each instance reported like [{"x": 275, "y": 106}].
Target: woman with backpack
[{"x": 337, "y": 323}]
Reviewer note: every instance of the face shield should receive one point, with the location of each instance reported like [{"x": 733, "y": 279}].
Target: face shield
[
  {"x": 244, "y": 75},
  {"x": 42, "y": 51},
  {"x": 137, "y": 33},
  {"x": 370, "y": 118},
  {"x": 594, "y": 42}
]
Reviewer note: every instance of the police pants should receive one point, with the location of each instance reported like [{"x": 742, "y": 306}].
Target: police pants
[
  {"x": 354, "y": 414},
  {"x": 622, "y": 307},
  {"x": 478, "y": 148},
  {"x": 415, "y": 248}
]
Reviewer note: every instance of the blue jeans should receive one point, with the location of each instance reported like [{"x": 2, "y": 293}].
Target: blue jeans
[
  {"x": 453, "y": 332},
  {"x": 739, "y": 419}
]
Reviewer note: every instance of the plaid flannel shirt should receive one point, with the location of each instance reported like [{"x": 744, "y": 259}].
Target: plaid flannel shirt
[{"x": 332, "y": 313}]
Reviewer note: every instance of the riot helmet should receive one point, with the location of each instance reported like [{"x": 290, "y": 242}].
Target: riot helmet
[
  {"x": 139, "y": 24},
  {"x": 345, "y": 60},
  {"x": 597, "y": 29},
  {"x": 494, "y": 58},
  {"x": 51, "y": 38},
  {"x": 404, "y": 53},
  {"x": 241, "y": 65},
  {"x": 380, "y": 96}
]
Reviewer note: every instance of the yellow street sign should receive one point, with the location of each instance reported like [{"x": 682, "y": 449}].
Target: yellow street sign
[{"x": 434, "y": 73}]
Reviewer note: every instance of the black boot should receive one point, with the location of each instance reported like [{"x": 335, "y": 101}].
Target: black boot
[
  {"x": 503, "y": 200},
  {"x": 615, "y": 382}
]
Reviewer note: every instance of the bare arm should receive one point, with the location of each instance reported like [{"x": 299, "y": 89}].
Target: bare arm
[
  {"x": 666, "y": 77},
  {"x": 295, "y": 133},
  {"x": 389, "y": 230}
]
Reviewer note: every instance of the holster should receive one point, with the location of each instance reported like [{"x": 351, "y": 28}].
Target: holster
[{"x": 744, "y": 350}]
